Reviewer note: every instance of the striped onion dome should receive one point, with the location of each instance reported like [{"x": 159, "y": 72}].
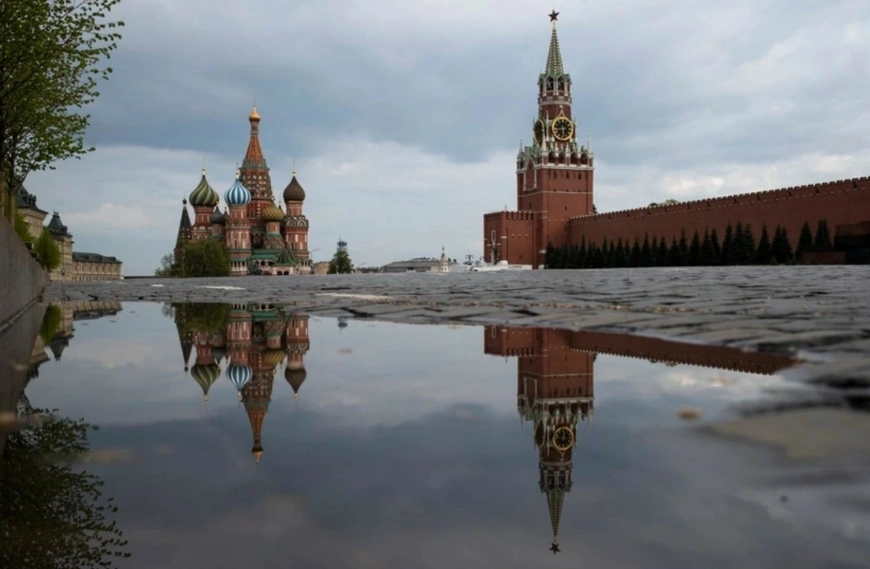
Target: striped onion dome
[
  {"x": 205, "y": 375},
  {"x": 203, "y": 195},
  {"x": 239, "y": 375},
  {"x": 217, "y": 218},
  {"x": 273, "y": 213},
  {"x": 238, "y": 194}
]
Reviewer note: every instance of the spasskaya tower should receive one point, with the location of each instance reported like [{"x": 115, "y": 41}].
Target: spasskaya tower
[{"x": 554, "y": 175}]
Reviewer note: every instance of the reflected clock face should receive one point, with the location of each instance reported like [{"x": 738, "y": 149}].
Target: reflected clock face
[
  {"x": 563, "y": 438},
  {"x": 539, "y": 131},
  {"x": 563, "y": 128}
]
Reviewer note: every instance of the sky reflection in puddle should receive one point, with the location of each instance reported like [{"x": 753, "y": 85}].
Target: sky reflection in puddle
[{"x": 293, "y": 440}]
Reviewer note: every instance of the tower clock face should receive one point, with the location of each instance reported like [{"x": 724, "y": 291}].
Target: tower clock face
[
  {"x": 563, "y": 438},
  {"x": 539, "y": 131},
  {"x": 563, "y": 128}
]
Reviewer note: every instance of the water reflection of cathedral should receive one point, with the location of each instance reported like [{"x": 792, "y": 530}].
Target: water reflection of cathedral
[
  {"x": 254, "y": 340},
  {"x": 555, "y": 393}
]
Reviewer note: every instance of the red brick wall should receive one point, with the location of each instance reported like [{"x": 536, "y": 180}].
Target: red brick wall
[
  {"x": 669, "y": 351},
  {"x": 514, "y": 236},
  {"x": 844, "y": 201}
]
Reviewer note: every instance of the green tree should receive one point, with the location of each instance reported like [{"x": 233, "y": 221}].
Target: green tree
[
  {"x": 684, "y": 247},
  {"x": 725, "y": 256},
  {"x": 747, "y": 254},
  {"x": 341, "y": 263},
  {"x": 583, "y": 253},
  {"x": 47, "y": 251},
  {"x": 675, "y": 258},
  {"x": 620, "y": 255},
  {"x": 22, "y": 228},
  {"x": 738, "y": 245},
  {"x": 52, "y": 56},
  {"x": 694, "y": 258},
  {"x": 51, "y": 321},
  {"x": 200, "y": 316},
  {"x": 654, "y": 252},
  {"x": 805, "y": 240},
  {"x": 167, "y": 266},
  {"x": 605, "y": 255},
  {"x": 662, "y": 256},
  {"x": 764, "y": 254},
  {"x": 823, "y": 238},
  {"x": 645, "y": 252},
  {"x": 634, "y": 258},
  {"x": 717, "y": 249},
  {"x": 782, "y": 251},
  {"x": 52, "y": 514},
  {"x": 708, "y": 253},
  {"x": 204, "y": 258},
  {"x": 548, "y": 255}
]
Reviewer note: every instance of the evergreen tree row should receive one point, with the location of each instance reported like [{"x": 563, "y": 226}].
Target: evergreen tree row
[{"x": 738, "y": 247}]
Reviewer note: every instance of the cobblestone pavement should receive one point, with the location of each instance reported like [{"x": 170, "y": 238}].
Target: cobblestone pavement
[{"x": 819, "y": 313}]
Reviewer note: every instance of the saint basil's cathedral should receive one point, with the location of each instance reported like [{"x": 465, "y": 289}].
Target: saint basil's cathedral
[{"x": 261, "y": 238}]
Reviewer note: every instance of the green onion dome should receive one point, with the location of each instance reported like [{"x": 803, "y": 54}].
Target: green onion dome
[
  {"x": 203, "y": 195},
  {"x": 205, "y": 375}
]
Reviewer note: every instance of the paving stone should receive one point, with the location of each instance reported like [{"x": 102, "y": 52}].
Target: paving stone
[{"x": 820, "y": 309}]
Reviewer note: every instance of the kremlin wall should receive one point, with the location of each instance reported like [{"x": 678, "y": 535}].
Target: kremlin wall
[
  {"x": 555, "y": 197},
  {"x": 841, "y": 202}
]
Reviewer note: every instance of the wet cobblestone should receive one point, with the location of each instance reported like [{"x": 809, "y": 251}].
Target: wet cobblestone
[{"x": 812, "y": 310}]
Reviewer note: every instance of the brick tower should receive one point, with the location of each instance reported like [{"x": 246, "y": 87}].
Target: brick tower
[
  {"x": 554, "y": 175},
  {"x": 254, "y": 174}
]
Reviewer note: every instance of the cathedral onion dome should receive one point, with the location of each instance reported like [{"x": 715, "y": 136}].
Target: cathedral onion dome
[
  {"x": 294, "y": 192},
  {"x": 273, "y": 213},
  {"x": 205, "y": 375},
  {"x": 217, "y": 218},
  {"x": 240, "y": 376},
  {"x": 238, "y": 194},
  {"x": 254, "y": 116},
  {"x": 273, "y": 357},
  {"x": 295, "y": 377},
  {"x": 203, "y": 195}
]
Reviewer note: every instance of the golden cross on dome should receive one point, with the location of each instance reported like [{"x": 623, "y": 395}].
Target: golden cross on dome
[{"x": 554, "y": 15}]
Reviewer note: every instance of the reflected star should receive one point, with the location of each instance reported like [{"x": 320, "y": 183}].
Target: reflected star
[{"x": 554, "y": 548}]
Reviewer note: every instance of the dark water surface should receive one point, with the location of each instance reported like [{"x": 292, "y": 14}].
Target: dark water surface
[{"x": 253, "y": 437}]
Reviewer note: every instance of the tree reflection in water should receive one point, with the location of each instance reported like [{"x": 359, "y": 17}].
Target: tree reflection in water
[{"x": 52, "y": 514}]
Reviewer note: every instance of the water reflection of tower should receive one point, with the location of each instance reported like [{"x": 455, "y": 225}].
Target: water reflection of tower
[
  {"x": 554, "y": 392},
  {"x": 265, "y": 355},
  {"x": 205, "y": 370},
  {"x": 297, "y": 344}
]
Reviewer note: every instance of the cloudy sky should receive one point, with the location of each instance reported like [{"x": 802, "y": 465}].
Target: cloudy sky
[{"x": 404, "y": 118}]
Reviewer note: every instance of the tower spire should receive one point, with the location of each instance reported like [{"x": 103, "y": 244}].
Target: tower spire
[
  {"x": 554, "y": 55},
  {"x": 555, "y": 499}
]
